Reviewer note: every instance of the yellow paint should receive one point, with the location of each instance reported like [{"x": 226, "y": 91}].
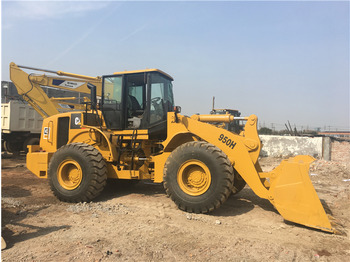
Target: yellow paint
[
  {"x": 69, "y": 174},
  {"x": 294, "y": 196},
  {"x": 38, "y": 162},
  {"x": 194, "y": 177},
  {"x": 159, "y": 163}
]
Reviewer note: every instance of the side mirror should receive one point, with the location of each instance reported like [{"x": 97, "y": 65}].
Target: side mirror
[
  {"x": 93, "y": 97},
  {"x": 177, "y": 109}
]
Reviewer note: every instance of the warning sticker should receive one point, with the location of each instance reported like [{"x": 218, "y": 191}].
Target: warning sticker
[{"x": 46, "y": 133}]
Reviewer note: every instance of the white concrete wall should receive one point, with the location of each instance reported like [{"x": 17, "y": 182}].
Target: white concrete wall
[{"x": 284, "y": 146}]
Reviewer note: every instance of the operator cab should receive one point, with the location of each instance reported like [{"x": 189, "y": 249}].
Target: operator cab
[{"x": 137, "y": 100}]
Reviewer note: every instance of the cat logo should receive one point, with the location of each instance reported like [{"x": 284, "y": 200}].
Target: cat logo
[{"x": 77, "y": 121}]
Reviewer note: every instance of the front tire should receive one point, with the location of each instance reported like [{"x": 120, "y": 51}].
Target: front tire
[
  {"x": 198, "y": 177},
  {"x": 238, "y": 184},
  {"x": 77, "y": 173}
]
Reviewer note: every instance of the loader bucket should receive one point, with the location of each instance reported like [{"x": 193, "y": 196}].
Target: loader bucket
[{"x": 293, "y": 195}]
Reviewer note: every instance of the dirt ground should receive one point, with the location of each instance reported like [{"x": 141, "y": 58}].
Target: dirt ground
[{"x": 142, "y": 224}]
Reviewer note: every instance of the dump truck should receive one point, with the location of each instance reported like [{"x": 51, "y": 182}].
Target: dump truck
[
  {"x": 130, "y": 129},
  {"x": 20, "y": 126},
  {"x": 20, "y": 123}
]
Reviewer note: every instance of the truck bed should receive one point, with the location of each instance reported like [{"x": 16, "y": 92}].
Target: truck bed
[{"x": 17, "y": 116}]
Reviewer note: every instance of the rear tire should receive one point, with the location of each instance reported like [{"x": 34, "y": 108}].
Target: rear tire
[
  {"x": 198, "y": 177},
  {"x": 77, "y": 173}
]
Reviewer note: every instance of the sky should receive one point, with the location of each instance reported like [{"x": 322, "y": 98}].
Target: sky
[{"x": 283, "y": 61}]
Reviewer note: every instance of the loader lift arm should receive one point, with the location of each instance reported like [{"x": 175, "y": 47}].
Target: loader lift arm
[
  {"x": 29, "y": 86},
  {"x": 288, "y": 187}
]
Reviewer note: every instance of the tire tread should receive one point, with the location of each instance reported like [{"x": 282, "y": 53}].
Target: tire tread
[
  {"x": 99, "y": 172},
  {"x": 227, "y": 180}
]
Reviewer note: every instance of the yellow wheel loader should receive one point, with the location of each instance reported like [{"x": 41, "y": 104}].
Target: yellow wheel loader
[{"x": 130, "y": 129}]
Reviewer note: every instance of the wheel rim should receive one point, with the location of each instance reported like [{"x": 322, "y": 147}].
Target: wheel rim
[
  {"x": 69, "y": 174},
  {"x": 194, "y": 177}
]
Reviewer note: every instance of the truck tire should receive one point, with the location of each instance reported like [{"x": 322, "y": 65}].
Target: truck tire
[
  {"x": 30, "y": 141},
  {"x": 12, "y": 146},
  {"x": 198, "y": 177},
  {"x": 77, "y": 173}
]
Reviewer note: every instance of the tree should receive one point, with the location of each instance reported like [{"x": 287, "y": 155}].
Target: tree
[{"x": 265, "y": 131}]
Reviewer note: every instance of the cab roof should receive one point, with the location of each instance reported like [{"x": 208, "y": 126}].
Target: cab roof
[{"x": 144, "y": 71}]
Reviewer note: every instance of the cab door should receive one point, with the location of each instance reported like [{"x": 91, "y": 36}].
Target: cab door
[{"x": 112, "y": 103}]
